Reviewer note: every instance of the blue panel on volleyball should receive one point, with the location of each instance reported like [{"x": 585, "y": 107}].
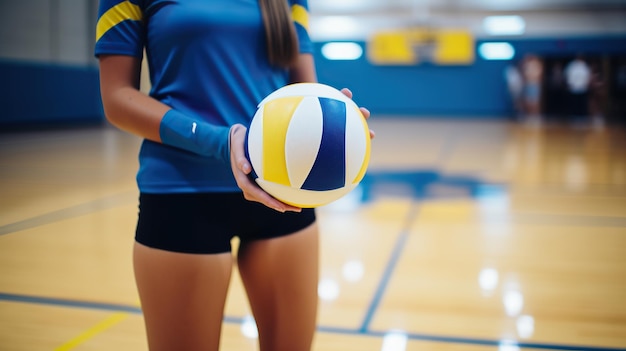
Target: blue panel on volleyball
[{"x": 328, "y": 171}]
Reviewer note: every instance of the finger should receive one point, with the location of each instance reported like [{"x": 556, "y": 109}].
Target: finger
[
  {"x": 241, "y": 169},
  {"x": 244, "y": 182},
  {"x": 266, "y": 199},
  {"x": 238, "y": 152},
  {"x": 272, "y": 202},
  {"x": 366, "y": 113},
  {"x": 291, "y": 208},
  {"x": 244, "y": 165},
  {"x": 347, "y": 92},
  {"x": 257, "y": 194},
  {"x": 253, "y": 192}
]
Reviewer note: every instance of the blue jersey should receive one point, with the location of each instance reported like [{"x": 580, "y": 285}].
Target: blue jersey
[{"x": 207, "y": 59}]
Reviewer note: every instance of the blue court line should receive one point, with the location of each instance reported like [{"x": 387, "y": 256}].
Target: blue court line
[
  {"x": 70, "y": 212},
  {"x": 333, "y": 330},
  {"x": 391, "y": 265},
  {"x": 468, "y": 341},
  {"x": 69, "y": 303},
  {"x": 382, "y": 286}
]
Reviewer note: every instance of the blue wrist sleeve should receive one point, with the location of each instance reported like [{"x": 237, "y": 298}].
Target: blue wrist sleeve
[{"x": 195, "y": 135}]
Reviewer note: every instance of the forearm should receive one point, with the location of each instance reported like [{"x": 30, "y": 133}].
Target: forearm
[
  {"x": 125, "y": 106},
  {"x": 133, "y": 111},
  {"x": 304, "y": 70},
  {"x": 141, "y": 115}
]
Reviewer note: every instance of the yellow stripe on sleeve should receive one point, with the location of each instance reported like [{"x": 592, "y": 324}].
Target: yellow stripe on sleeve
[
  {"x": 118, "y": 13},
  {"x": 300, "y": 15}
]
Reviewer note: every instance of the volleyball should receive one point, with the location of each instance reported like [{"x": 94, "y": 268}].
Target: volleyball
[{"x": 308, "y": 144}]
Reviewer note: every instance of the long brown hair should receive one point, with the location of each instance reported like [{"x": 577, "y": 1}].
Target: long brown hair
[{"x": 282, "y": 41}]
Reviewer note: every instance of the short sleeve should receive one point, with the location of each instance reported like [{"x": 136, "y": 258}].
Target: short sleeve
[
  {"x": 300, "y": 15},
  {"x": 120, "y": 28}
]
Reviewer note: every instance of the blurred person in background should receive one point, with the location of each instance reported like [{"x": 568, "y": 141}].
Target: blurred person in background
[
  {"x": 597, "y": 96},
  {"x": 578, "y": 78},
  {"x": 555, "y": 102},
  {"x": 515, "y": 85},
  {"x": 618, "y": 89},
  {"x": 532, "y": 71}
]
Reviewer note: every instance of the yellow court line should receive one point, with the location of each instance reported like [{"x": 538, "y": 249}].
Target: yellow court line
[{"x": 93, "y": 331}]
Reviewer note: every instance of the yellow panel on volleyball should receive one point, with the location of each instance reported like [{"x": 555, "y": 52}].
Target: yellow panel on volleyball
[
  {"x": 274, "y": 136},
  {"x": 368, "y": 151}
]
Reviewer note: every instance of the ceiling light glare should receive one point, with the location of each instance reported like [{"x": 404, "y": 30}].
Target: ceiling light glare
[
  {"x": 504, "y": 25},
  {"x": 342, "y": 51},
  {"x": 341, "y": 5},
  {"x": 496, "y": 51},
  {"x": 336, "y": 27}
]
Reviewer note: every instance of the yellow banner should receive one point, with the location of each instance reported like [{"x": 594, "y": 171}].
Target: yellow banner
[{"x": 412, "y": 46}]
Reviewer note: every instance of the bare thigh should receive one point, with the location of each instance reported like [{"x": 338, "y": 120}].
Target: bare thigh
[
  {"x": 280, "y": 276},
  {"x": 182, "y": 297}
]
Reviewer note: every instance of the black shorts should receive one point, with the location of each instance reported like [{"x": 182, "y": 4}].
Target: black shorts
[{"x": 206, "y": 223}]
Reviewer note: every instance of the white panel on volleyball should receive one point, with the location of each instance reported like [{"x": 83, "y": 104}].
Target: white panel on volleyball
[
  {"x": 255, "y": 141},
  {"x": 356, "y": 143},
  {"x": 304, "y": 136},
  {"x": 307, "y": 89}
]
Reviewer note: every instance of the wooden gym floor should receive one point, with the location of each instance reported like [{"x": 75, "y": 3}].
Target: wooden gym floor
[{"x": 465, "y": 235}]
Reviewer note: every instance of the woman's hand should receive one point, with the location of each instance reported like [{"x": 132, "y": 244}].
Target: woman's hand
[
  {"x": 364, "y": 111},
  {"x": 241, "y": 168}
]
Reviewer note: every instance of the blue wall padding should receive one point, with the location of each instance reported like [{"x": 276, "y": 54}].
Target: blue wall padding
[{"x": 44, "y": 93}]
